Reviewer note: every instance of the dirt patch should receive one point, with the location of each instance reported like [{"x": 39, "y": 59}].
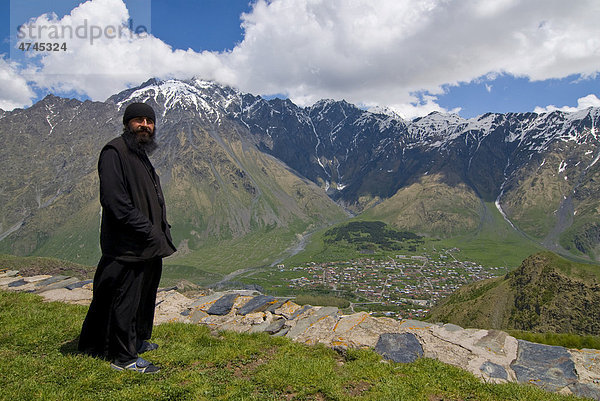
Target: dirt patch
[
  {"x": 357, "y": 389},
  {"x": 245, "y": 370}
]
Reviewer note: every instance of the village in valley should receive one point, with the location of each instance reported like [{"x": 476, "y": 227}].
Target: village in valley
[{"x": 399, "y": 286}]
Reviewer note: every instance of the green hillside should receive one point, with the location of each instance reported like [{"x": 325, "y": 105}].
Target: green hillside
[
  {"x": 430, "y": 206},
  {"x": 458, "y": 218},
  {"x": 547, "y": 293},
  {"x": 494, "y": 242}
]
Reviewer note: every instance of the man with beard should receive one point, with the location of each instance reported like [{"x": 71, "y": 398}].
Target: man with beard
[{"x": 134, "y": 237}]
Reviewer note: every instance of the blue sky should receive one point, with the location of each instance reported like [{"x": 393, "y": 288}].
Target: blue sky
[{"x": 415, "y": 56}]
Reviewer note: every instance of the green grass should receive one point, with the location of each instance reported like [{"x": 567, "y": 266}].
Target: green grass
[
  {"x": 587, "y": 271},
  {"x": 564, "y": 340},
  {"x": 38, "y": 361},
  {"x": 494, "y": 243}
]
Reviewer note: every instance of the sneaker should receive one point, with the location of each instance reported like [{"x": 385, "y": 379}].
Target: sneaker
[
  {"x": 139, "y": 365},
  {"x": 147, "y": 346}
]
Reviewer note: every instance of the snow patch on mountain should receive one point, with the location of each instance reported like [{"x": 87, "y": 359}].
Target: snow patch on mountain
[
  {"x": 206, "y": 98},
  {"x": 385, "y": 111},
  {"x": 562, "y": 167}
]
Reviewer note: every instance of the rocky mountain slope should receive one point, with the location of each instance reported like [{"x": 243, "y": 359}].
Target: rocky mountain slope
[
  {"x": 436, "y": 174},
  {"x": 218, "y": 185},
  {"x": 235, "y": 164}
]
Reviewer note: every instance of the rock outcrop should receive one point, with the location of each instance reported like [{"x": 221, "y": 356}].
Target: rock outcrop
[{"x": 492, "y": 355}]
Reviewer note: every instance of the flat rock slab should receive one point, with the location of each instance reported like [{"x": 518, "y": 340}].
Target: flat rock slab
[
  {"x": 78, "y": 296},
  {"x": 493, "y": 341},
  {"x": 287, "y": 309},
  {"x": 494, "y": 370},
  {"x": 275, "y": 326},
  {"x": 361, "y": 330},
  {"x": 306, "y": 320},
  {"x": 300, "y": 311},
  {"x": 587, "y": 365},
  {"x": 223, "y": 305},
  {"x": 546, "y": 366},
  {"x": 9, "y": 279},
  {"x": 399, "y": 347},
  {"x": 276, "y": 305},
  {"x": 452, "y": 328},
  {"x": 51, "y": 280},
  {"x": 205, "y": 302},
  {"x": 79, "y": 284},
  {"x": 17, "y": 283},
  {"x": 257, "y": 304},
  {"x": 241, "y": 301},
  {"x": 35, "y": 279},
  {"x": 321, "y": 331},
  {"x": 57, "y": 284},
  {"x": 415, "y": 325},
  {"x": 22, "y": 287},
  {"x": 197, "y": 316},
  {"x": 27, "y": 284},
  {"x": 169, "y": 307}
]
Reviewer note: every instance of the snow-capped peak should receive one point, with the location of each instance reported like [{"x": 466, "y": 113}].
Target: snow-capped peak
[{"x": 385, "y": 111}]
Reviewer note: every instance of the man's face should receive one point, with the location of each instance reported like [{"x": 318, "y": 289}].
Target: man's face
[{"x": 143, "y": 128}]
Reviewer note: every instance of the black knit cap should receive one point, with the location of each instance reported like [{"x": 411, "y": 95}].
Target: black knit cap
[{"x": 138, "y": 110}]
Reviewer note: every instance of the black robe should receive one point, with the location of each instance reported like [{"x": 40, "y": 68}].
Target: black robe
[
  {"x": 134, "y": 221},
  {"x": 134, "y": 238}
]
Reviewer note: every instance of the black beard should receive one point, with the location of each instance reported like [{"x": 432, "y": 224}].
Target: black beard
[{"x": 138, "y": 146}]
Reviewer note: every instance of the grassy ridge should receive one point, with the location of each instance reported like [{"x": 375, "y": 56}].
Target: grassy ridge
[
  {"x": 545, "y": 294},
  {"x": 37, "y": 361},
  {"x": 561, "y": 339},
  {"x": 33, "y": 265}
]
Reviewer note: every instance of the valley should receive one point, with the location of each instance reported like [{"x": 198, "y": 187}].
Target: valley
[
  {"x": 399, "y": 286},
  {"x": 252, "y": 183}
]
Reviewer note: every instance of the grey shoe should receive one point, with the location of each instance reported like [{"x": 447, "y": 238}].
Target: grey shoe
[
  {"x": 139, "y": 365},
  {"x": 147, "y": 346}
]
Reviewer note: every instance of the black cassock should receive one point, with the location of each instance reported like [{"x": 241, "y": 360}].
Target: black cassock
[
  {"x": 134, "y": 238},
  {"x": 121, "y": 314}
]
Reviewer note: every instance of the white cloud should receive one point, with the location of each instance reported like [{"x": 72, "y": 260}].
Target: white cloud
[
  {"x": 105, "y": 57},
  {"x": 417, "y": 108},
  {"x": 582, "y": 103},
  {"x": 15, "y": 90},
  {"x": 381, "y": 52},
  {"x": 366, "y": 52}
]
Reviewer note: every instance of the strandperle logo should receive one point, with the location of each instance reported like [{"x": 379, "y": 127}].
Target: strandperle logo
[{"x": 57, "y": 32}]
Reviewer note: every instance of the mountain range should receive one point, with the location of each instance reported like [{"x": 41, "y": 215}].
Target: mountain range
[{"x": 246, "y": 178}]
